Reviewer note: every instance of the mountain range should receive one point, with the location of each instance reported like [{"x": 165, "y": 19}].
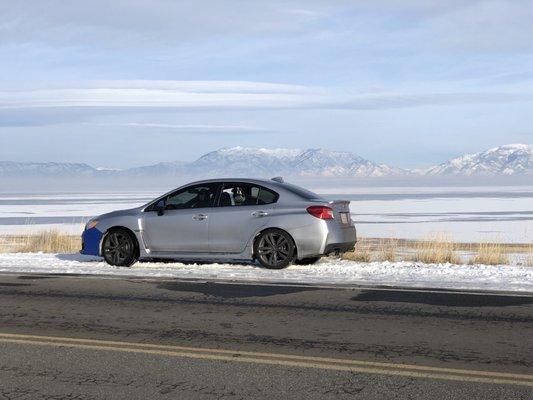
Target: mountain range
[{"x": 507, "y": 160}]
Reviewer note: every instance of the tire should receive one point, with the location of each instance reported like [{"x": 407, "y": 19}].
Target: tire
[
  {"x": 120, "y": 248},
  {"x": 307, "y": 261},
  {"x": 274, "y": 249}
]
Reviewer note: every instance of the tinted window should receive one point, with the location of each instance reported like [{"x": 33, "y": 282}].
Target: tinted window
[
  {"x": 192, "y": 197},
  {"x": 245, "y": 194},
  {"x": 304, "y": 193}
]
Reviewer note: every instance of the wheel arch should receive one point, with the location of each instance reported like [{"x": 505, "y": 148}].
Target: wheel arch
[
  {"x": 266, "y": 228},
  {"x": 124, "y": 228}
]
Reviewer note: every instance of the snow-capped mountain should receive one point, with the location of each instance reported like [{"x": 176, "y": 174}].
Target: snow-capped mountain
[
  {"x": 244, "y": 161},
  {"x": 319, "y": 162},
  {"x": 511, "y": 159},
  {"x": 296, "y": 162},
  {"x": 508, "y": 160}
]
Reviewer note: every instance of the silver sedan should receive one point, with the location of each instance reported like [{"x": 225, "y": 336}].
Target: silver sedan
[{"x": 270, "y": 221}]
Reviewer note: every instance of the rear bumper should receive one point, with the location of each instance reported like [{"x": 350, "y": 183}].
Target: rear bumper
[
  {"x": 340, "y": 240},
  {"x": 337, "y": 248},
  {"x": 90, "y": 242},
  {"x": 323, "y": 237}
]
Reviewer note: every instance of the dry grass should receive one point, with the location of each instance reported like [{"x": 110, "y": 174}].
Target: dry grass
[
  {"x": 51, "y": 241},
  {"x": 529, "y": 257},
  {"x": 387, "y": 250},
  {"x": 361, "y": 253},
  {"x": 438, "y": 249},
  {"x": 490, "y": 254}
]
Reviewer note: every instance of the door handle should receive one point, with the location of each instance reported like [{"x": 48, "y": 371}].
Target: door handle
[
  {"x": 199, "y": 217},
  {"x": 259, "y": 214}
]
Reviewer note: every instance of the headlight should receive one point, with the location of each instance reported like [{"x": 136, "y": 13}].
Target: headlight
[{"x": 91, "y": 224}]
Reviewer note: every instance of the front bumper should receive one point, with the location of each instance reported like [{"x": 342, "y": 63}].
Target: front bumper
[{"x": 90, "y": 242}]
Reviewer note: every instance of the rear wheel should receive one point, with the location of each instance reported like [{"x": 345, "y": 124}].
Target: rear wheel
[
  {"x": 274, "y": 249},
  {"x": 307, "y": 261},
  {"x": 120, "y": 248}
]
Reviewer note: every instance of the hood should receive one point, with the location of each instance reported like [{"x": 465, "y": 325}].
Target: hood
[{"x": 119, "y": 213}]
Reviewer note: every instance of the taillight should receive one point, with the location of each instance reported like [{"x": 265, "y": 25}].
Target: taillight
[{"x": 321, "y": 212}]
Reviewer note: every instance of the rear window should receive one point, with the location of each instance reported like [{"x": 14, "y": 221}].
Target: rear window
[
  {"x": 301, "y": 192},
  {"x": 245, "y": 194}
]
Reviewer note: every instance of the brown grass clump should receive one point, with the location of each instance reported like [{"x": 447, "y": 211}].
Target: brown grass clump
[
  {"x": 387, "y": 250},
  {"x": 361, "y": 253},
  {"x": 438, "y": 249},
  {"x": 490, "y": 254},
  {"x": 51, "y": 241}
]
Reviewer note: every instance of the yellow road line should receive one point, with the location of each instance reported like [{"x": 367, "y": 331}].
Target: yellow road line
[{"x": 415, "y": 371}]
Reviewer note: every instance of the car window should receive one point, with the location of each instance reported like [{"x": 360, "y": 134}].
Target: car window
[
  {"x": 192, "y": 197},
  {"x": 245, "y": 194}
]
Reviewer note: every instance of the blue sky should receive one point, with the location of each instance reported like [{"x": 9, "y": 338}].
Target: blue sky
[{"x": 127, "y": 83}]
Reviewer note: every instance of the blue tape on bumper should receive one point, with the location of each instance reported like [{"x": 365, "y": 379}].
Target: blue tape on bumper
[{"x": 91, "y": 242}]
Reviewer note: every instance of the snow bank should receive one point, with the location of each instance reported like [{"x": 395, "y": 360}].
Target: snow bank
[{"x": 327, "y": 271}]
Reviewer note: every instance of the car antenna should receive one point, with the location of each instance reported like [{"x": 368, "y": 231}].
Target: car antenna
[{"x": 278, "y": 179}]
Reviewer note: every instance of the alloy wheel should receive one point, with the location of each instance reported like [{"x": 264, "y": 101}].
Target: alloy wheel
[
  {"x": 118, "y": 248},
  {"x": 275, "y": 249}
]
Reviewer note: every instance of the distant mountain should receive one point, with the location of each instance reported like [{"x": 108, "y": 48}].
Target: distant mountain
[
  {"x": 34, "y": 169},
  {"x": 267, "y": 162},
  {"x": 159, "y": 169},
  {"x": 511, "y": 159}
]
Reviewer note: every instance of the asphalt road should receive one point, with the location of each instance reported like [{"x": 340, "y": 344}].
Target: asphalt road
[{"x": 97, "y": 338}]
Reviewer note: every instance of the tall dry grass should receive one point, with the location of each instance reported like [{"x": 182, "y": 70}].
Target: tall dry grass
[
  {"x": 529, "y": 257},
  {"x": 50, "y": 241},
  {"x": 490, "y": 253},
  {"x": 387, "y": 250},
  {"x": 437, "y": 249}
]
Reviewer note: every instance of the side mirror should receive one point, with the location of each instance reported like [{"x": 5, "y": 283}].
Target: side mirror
[{"x": 160, "y": 207}]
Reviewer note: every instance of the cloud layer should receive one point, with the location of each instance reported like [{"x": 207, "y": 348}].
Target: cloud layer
[{"x": 235, "y": 95}]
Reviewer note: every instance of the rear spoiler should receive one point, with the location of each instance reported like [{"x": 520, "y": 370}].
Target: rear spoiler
[
  {"x": 339, "y": 202},
  {"x": 340, "y": 205}
]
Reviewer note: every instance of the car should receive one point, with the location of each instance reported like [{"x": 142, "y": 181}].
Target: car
[{"x": 271, "y": 221}]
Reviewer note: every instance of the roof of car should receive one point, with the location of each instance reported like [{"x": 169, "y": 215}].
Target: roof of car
[{"x": 245, "y": 180}]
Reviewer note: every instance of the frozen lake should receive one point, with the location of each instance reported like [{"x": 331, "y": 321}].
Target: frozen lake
[{"x": 468, "y": 214}]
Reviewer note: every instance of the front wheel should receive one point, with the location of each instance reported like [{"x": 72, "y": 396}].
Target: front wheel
[
  {"x": 119, "y": 248},
  {"x": 274, "y": 249}
]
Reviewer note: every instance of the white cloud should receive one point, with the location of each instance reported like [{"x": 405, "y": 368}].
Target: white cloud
[
  {"x": 187, "y": 128},
  {"x": 208, "y": 95}
]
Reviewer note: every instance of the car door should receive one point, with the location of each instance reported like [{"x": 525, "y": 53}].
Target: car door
[
  {"x": 242, "y": 210},
  {"x": 183, "y": 225}
]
